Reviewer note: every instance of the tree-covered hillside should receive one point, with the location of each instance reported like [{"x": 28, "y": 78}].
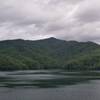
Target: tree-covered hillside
[{"x": 48, "y": 54}]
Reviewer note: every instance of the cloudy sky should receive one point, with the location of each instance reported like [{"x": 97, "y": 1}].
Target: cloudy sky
[{"x": 65, "y": 19}]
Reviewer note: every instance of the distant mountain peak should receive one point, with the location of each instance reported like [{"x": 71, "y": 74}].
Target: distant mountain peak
[{"x": 52, "y": 38}]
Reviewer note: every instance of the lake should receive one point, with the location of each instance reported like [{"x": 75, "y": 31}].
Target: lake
[{"x": 49, "y": 85}]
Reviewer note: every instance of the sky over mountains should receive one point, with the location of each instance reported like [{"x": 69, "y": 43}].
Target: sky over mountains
[{"x": 35, "y": 19}]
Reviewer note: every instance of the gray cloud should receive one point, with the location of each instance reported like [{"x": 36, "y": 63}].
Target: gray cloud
[
  {"x": 89, "y": 11},
  {"x": 65, "y": 19}
]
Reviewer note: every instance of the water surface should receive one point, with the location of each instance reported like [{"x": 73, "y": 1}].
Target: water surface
[{"x": 49, "y": 85}]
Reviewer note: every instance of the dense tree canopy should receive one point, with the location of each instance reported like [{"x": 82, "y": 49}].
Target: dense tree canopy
[{"x": 49, "y": 54}]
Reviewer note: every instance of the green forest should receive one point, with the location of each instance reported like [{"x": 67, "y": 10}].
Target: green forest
[{"x": 49, "y": 53}]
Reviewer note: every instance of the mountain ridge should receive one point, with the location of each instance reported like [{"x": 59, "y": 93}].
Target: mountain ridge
[
  {"x": 47, "y": 53},
  {"x": 50, "y": 38}
]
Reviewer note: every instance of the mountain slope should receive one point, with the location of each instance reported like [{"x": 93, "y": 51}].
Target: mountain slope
[{"x": 48, "y": 53}]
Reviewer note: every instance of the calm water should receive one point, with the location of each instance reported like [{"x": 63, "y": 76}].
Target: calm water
[{"x": 49, "y": 85}]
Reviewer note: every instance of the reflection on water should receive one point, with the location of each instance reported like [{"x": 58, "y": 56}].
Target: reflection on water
[{"x": 49, "y": 85}]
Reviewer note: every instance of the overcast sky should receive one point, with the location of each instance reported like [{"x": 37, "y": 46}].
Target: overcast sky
[{"x": 65, "y": 19}]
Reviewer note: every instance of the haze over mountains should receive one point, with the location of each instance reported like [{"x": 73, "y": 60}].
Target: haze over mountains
[{"x": 50, "y": 53}]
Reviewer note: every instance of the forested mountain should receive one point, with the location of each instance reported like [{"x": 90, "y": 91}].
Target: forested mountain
[{"x": 49, "y": 53}]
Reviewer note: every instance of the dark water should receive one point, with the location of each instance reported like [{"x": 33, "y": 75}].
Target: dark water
[{"x": 49, "y": 85}]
